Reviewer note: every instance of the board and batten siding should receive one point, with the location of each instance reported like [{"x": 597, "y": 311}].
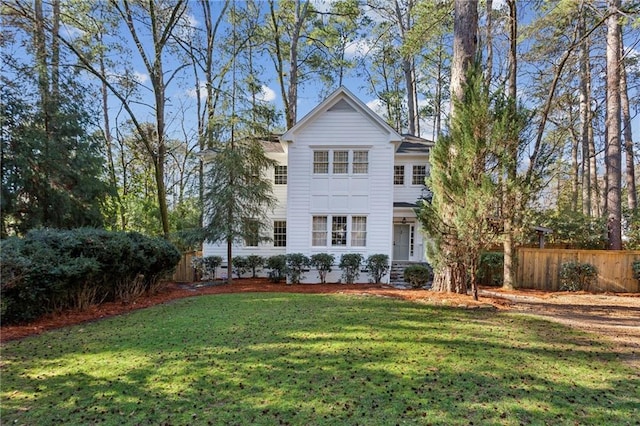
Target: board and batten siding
[{"x": 369, "y": 195}]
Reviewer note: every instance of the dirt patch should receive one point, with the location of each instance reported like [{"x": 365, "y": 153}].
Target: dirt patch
[{"x": 616, "y": 316}]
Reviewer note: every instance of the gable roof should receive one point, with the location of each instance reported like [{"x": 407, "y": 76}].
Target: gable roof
[{"x": 342, "y": 100}]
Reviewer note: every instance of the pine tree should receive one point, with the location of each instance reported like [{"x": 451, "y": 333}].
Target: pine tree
[{"x": 462, "y": 218}]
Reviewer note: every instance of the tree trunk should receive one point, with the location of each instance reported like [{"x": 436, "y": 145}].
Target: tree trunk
[
  {"x": 465, "y": 41},
  {"x": 451, "y": 276},
  {"x": 489, "y": 41},
  {"x": 510, "y": 207},
  {"x": 585, "y": 115},
  {"x": 230, "y": 260},
  {"x": 632, "y": 201},
  {"x": 595, "y": 186},
  {"x": 613, "y": 157}
]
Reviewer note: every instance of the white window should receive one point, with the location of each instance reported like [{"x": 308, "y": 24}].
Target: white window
[
  {"x": 340, "y": 162},
  {"x": 280, "y": 175},
  {"x": 398, "y": 175},
  {"x": 321, "y": 162},
  {"x": 339, "y": 231},
  {"x": 360, "y": 162},
  {"x": 319, "y": 231},
  {"x": 419, "y": 175},
  {"x": 279, "y": 233},
  {"x": 251, "y": 233},
  {"x": 358, "y": 231},
  {"x": 342, "y": 226}
]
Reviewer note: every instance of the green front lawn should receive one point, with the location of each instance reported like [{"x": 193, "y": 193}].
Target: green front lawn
[{"x": 242, "y": 359}]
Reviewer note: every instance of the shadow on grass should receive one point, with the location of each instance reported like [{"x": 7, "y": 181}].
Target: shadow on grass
[{"x": 303, "y": 359}]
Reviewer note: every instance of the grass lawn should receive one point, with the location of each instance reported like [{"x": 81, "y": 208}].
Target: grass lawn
[{"x": 265, "y": 358}]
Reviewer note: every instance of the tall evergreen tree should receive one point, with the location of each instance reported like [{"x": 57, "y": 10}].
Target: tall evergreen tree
[{"x": 462, "y": 218}]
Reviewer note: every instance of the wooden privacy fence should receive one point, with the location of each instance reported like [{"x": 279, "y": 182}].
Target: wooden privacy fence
[
  {"x": 540, "y": 268},
  {"x": 184, "y": 272}
]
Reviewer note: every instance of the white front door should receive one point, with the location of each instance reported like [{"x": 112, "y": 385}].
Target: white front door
[{"x": 401, "y": 241}]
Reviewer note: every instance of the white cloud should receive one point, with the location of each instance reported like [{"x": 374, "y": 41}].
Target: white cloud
[
  {"x": 267, "y": 94},
  {"x": 140, "y": 77},
  {"x": 358, "y": 48},
  {"x": 192, "y": 93},
  {"x": 375, "y": 105}
]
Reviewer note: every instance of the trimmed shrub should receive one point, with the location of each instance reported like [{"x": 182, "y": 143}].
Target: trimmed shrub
[
  {"x": 491, "y": 268},
  {"x": 255, "y": 263},
  {"x": 278, "y": 267},
  {"x": 206, "y": 266},
  {"x": 323, "y": 263},
  {"x": 418, "y": 276},
  {"x": 636, "y": 269},
  {"x": 240, "y": 266},
  {"x": 378, "y": 266},
  {"x": 350, "y": 265},
  {"x": 296, "y": 264},
  {"x": 576, "y": 276},
  {"x": 50, "y": 270}
]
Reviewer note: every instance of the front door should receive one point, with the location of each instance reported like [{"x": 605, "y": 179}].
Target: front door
[{"x": 401, "y": 241}]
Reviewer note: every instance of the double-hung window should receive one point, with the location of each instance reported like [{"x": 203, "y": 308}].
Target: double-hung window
[
  {"x": 398, "y": 175},
  {"x": 279, "y": 233},
  {"x": 339, "y": 231},
  {"x": 419, "y": 175},
  {"x": 319, "y": 231},
  {"x": 360, "y": 162},
  {"x": 358, "y": 231},
  {"x": 280, "y": 175},
  {"x": 320, "y": 162},
  {"x": 340, "y": 162},
  {"x": 251, "y": 233},
  {"x": 344, "y": 231}
]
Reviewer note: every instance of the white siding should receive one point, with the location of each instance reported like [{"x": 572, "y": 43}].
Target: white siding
[
  {"x": 279, "y": 213},
  {"x": 408, "y": 192},
  {"x": 367, "y": 195}
]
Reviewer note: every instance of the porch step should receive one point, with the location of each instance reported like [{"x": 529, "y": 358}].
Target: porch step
[{"x": 396, "y": 273}]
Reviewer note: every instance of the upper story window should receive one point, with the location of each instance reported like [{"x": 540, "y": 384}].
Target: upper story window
[
  {"x": 419, "y": 175},
  {"x": 280, "y": 175},
  {"x": 341, "y": 162},
  {"x": 321, "y": 162},
  {"x": 398, "y": 175},
  {"x": 360, "y": 162}
]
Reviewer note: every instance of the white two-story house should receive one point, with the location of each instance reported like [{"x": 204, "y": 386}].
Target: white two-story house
[{"x": 346, "y": 183}]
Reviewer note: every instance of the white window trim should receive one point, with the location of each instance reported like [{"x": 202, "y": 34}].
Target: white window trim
[
  {"x": 349, "y": 231},
  {"x": 274, "y": 232},
  {"x": 426, "y": 174},
  {"x": 275, "y": 174},
  {"x": 350, "y": 156}
]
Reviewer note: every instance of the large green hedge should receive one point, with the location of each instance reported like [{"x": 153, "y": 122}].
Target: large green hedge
[{"x": 50, "y": 270}]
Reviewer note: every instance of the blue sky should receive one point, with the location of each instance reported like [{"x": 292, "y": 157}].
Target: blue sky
[{"x": 181, "y": 96}]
